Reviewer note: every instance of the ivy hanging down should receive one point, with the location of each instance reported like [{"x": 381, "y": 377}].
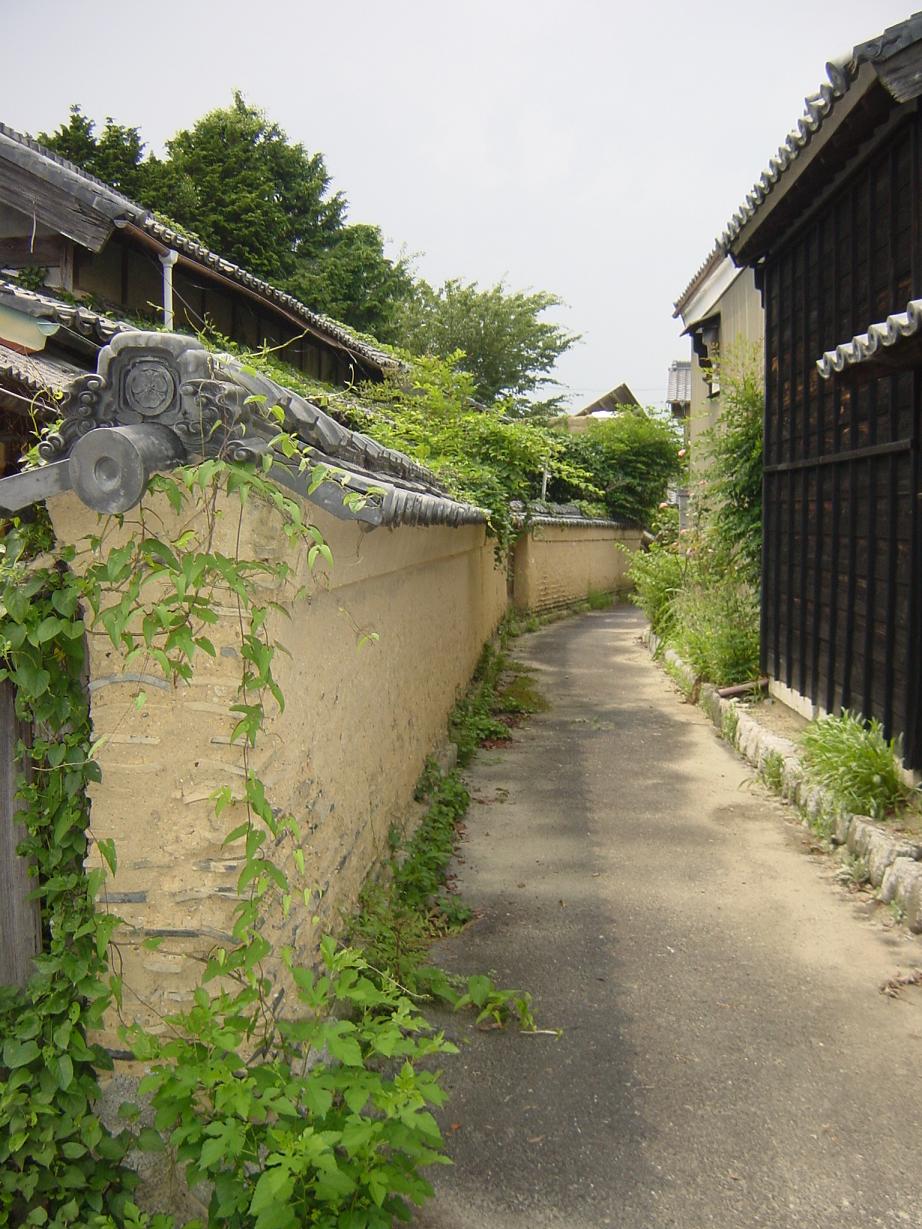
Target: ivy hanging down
[{"x": 58, "y": 1164}]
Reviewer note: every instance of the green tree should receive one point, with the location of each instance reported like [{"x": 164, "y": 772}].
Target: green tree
[
  {"x": 115, "y": 156},
  {"x": 353, "y": 281},
  {"x": 237, "y": 183},
  {"x": 507, "y": 348},
  {"x": 480, "y": 455},
  {"x": 630, "y": 458},
  {"x": 259, "y": 200}
]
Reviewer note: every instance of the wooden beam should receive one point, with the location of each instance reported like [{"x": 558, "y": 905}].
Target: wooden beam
[{"x": 55, "y": 205}]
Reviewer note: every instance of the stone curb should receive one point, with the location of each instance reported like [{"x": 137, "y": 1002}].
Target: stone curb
[{"x": 894, "y": 864}]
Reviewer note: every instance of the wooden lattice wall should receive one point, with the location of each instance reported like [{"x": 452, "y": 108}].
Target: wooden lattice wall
[{"x": 842, "y": 481}]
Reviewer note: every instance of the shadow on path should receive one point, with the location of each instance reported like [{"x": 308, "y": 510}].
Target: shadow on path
[{"x": 727, "y": 1058}]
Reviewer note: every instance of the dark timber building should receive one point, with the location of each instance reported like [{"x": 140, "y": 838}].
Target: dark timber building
[{"x": 833, "y": 232}]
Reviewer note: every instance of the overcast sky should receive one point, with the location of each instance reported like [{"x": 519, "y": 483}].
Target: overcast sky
[{"x": 591, "y": 149}]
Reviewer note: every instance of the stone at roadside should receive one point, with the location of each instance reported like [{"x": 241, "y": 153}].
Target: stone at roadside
[
  {"x": 903, "y": 882},
  {"x": 879, "y": 849}
]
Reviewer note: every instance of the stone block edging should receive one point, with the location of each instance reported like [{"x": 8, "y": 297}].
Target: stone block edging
[{"x": 894, "y": 863}]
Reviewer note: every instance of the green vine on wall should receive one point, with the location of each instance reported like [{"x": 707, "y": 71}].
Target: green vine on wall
[
  {"x": 321, "y": 1119},
  {"x": 58, "y": 1164}
]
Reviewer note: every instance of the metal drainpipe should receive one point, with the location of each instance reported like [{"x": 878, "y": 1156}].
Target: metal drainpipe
[{"x": 168, "y": 260}]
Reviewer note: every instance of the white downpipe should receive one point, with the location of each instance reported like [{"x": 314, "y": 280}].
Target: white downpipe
[{"x": 168, "y": 260}]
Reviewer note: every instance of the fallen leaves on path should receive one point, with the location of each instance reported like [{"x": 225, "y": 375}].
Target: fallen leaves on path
[{"x": 898, "y": 983}]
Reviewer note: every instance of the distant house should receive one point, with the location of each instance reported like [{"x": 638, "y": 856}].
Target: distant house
[
  {"x": 721, "y": 310},
  {"x": 832, "y": 232},
  {"x": 678, "y": 400},
  {"x": 678, "y": 392},
  {"x": 607, "y": 406}
]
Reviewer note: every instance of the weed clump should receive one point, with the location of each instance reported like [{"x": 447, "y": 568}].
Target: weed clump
[
  {"x": 853, "y": 872},
  {"x": 599, "y": 599},
  {"x": 473, "y": 721},
  {"x": 717, "y": 631},
  {"x": 500, "y": 694},
  {"x": 772, "y": 770},
  {"x": 657, "y": 575},
  {"x": 729, "y": 726},
  {"x": 850, "y": 758},
  {"x": 398, "y": 919}
]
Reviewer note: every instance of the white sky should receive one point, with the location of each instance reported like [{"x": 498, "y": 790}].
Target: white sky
[{"x": 591, "y": 149}]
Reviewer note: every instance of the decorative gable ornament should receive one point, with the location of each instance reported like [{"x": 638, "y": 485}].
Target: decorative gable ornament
[{"x": 161, "y": 400}]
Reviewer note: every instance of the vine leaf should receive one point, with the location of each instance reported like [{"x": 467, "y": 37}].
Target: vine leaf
[{"x": 106, "y": 847}]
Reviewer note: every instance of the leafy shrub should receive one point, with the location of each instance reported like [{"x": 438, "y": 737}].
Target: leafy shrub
[
  {"x": 850, "y": 758},
  {"x": 657, "y": 576},
  {"x": 630, "y": 458},
  {"x": 717, "y": 630},
  {"x": 330, "y": 1129},
  {"x": 733, "y": 448},
  {"x": 476, "y": 451}
]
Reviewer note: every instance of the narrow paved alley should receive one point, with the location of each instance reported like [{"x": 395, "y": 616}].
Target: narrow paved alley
[{"x": 727, "y": 1057}]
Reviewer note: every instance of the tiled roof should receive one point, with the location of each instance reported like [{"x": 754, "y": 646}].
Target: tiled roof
[
  {"x": 72, "y": 316},
  {"x": 366, "y": 481},
  {"x": 865, "y": 346},
  {"x": 117, "y": 207},
  {"x": 331, "y": 329},
  {"x": 36, "y": 373},
  {"x": 817, "y": 107},
  {"x": 679, "y": 386},
  {"x": 715, "y": 256},
  {"x": 540, "y": 512}
]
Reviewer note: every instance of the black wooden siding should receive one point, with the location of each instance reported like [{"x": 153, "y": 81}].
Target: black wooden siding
[{"x": 842, "y": 483}]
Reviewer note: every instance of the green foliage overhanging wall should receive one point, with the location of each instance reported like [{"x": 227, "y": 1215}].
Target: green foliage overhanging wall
[{"x": 628, "y": 459}]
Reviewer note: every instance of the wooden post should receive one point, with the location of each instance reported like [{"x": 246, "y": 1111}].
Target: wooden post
[{"x": 20, "y": 919}]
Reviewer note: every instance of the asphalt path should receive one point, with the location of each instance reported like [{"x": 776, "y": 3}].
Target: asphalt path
[{"x": 727, "y": 1056}]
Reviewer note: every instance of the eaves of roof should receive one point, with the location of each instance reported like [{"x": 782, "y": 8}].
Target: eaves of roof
[
  {"x": 704, "y": 302},
  {"x": 36, "y": 373},
  {"x": 887, "y": 53},
  {"x": 119, "y": 208},
  {"x": 820, "y": 107},
  {"x": 75, "y": 318},
  {"x": 714, "y": 258},
  {"x": 865, "y": 347}
]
